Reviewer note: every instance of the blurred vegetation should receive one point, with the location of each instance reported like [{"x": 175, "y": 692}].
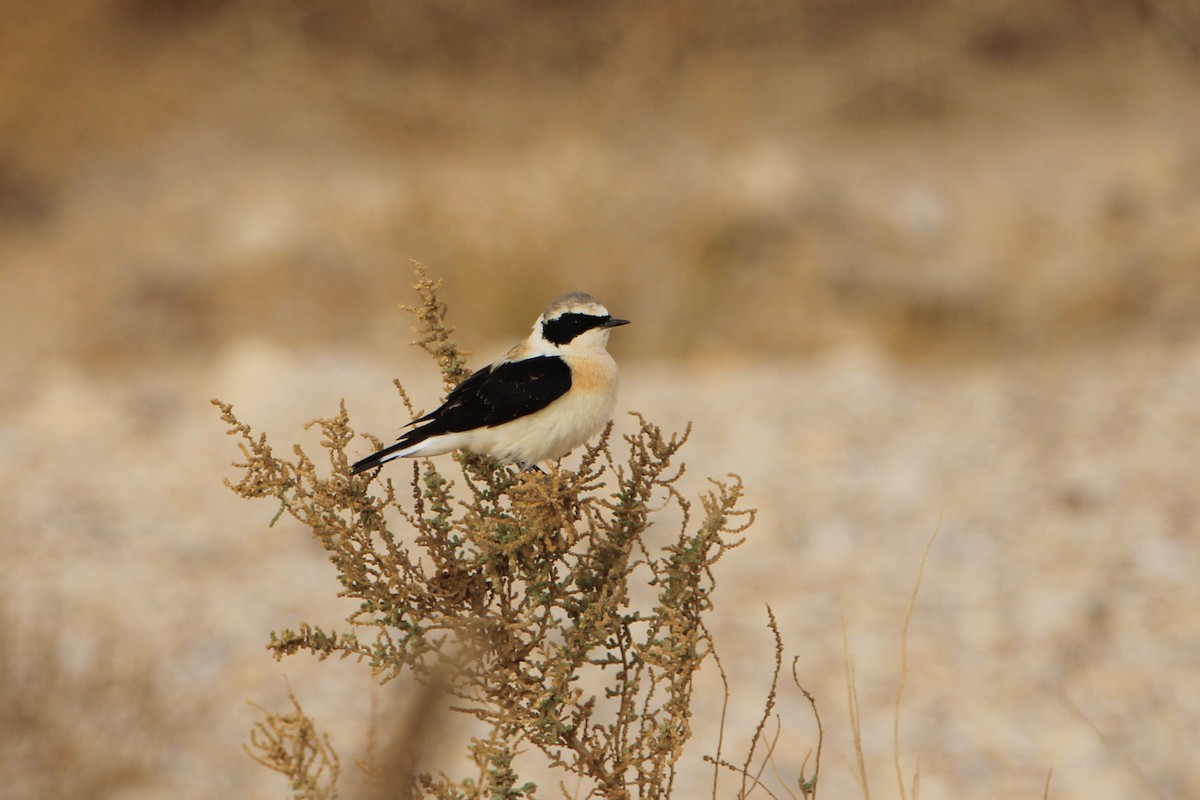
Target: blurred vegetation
[
  {"x": 939, "y": 177},
  {"x": 80, "y": 715}
]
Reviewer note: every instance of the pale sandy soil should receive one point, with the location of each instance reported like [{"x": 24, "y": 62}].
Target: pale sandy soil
[
  {"x": 908, "y": 268},
  {"x": 1055, "y": 626}
]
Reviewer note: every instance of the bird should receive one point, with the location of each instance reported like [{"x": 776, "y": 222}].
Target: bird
[{"x": 548, "y": 395}]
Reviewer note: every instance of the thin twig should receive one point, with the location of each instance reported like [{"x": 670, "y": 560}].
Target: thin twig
[
  {"x": 808, "y": 787},
  {"x": 855, "y": 719},
  {"x": 912, "y": 603}
]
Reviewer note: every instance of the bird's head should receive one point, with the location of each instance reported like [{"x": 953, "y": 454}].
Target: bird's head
[{"x": 575, "y": 322}]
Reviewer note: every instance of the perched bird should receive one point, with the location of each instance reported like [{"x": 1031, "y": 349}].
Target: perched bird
[{"x": 548, "y": 395}]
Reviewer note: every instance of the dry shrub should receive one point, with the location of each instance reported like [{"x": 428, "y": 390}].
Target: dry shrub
[
  {"x": 291, "y": 745},
  {"x": 534, "y": 601}
]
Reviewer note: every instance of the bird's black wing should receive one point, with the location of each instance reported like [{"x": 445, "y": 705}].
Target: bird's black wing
[
  {"x": 492, "y": 396},
  {"x": 498, "y": 394}
]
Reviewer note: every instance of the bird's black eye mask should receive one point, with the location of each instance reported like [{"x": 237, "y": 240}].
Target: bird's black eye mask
[{"x": 566, "y": 327}]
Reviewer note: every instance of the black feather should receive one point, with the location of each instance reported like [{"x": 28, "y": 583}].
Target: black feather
[
  {"x": 494, "y": 395},
  {"x": 565, "y": 327}
]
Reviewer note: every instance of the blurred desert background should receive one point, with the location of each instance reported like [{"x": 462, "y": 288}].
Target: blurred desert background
[{"x": 907, "y": 265}]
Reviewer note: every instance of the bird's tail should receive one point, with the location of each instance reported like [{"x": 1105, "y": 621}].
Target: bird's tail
[{"x": 400, "y": 449}]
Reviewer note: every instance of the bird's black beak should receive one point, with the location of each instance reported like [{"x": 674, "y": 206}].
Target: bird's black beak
[{"x": 613, "y": 322}]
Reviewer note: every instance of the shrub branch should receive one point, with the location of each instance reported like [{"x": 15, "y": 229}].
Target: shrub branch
[{"x": 511, "y": 591}]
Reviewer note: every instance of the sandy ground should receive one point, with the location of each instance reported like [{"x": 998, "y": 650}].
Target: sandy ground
[
  {"x": 1055, "y": 626},
  {"x": 916, "y": 270}
]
